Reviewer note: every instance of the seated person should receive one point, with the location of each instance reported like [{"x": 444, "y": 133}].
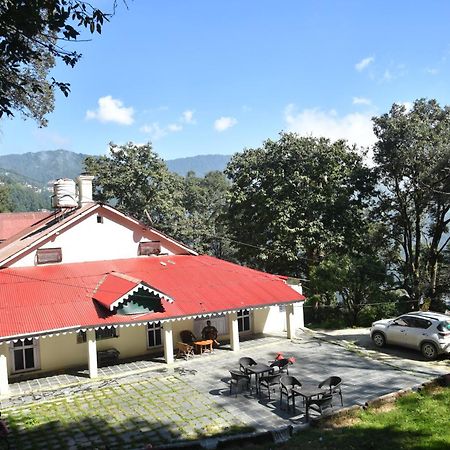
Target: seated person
[{"x": 210, "y": 332}]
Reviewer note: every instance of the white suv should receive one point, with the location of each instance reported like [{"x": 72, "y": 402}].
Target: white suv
[{"x": 428, "y": 332}]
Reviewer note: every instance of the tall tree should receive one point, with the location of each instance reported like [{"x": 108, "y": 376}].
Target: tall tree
[
  {"x": 32, "y": 34},
  {"x": 413, "y": 161},
  {"x": 138, "y": 182},
  {"x": 204, "y": 199},
  {"x": 5, "y": 199},
  {"x": 294, "y": 200}
]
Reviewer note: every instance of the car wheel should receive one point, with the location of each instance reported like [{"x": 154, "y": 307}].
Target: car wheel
[
  {"x": 378, "y": 339},
  {"x": 429, "y": 350}
]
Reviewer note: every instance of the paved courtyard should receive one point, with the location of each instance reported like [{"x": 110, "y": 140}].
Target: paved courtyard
[{"x": 142, "y": 402}]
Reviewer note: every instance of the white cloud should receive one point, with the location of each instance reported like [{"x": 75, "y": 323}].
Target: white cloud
[
  {"x": 223, "y": 123},
  {"x": 432, "y": 70},
  {"x": 111, "y": 110},
  {"x": 157, "y": 132},
  {"x": 408, "y": 105},
  {"x": 361, "y": 65},
  {"x": 187, "y": 117},
  {"x": 356, "y": 128},
  {"x": 46, "y": 137},
  {"x": 361, "y": 101},
  {"x": 174, "y": 127}
]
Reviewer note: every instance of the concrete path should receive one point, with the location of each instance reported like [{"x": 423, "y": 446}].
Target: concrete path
[{"x": 144, "y": 402}]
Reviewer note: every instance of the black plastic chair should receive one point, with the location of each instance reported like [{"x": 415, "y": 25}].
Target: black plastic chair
[
  {"x": 237, "y": 379},
  {"x": 287, "y": 382},
  {"x": 187, "y": 337},
  {"x": 333, "y": 385},
  {"x": 246, "y": 362},
  {"x": 319, "y": 404},
  {"x": 269, "y": 382},
  {"x": 281, "y": 365}
]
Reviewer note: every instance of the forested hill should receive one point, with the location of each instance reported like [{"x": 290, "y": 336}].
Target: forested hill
[{"x": 52, "y": 164}]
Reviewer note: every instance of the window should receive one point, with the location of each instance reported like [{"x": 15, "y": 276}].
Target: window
[
  {"x": 243, "y": 320},
  {"x": 154, "y": 334},
  {"x": 81, "y": 337},
  {"x": 149, "y": 248},
  {"x": 106, "y": 333},
  {"x": 25, "y": 355},
  {"x": 48, "y": 255},
  {"x": 99, "y": 219}
]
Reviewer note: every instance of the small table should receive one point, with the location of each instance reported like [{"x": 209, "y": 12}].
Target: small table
[
  {"x": 201, "y": 346},
  {"x": 308, "y": 392},
  {"x": 258, "y": 370}
]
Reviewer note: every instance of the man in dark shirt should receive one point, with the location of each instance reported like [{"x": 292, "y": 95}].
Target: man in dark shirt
[{"x": 210, "y": 332}]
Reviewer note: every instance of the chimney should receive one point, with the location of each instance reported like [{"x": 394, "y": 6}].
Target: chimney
[{"x": 84, "y": 183}]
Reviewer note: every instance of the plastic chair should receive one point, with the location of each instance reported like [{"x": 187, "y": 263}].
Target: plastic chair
[
  {"x": 281, "y": 365},
  {"x": 287, "y": 382},
  {"x": 237, "y": 378},
  {"x": 187, "y": 336},
  {"x": 319, "y": 404},
  {"x": 184, "y": 350},
  {"x": 333, "y": 384},
  {"x": 269, "y": 382},
  {"x": 245, "y": 362}
]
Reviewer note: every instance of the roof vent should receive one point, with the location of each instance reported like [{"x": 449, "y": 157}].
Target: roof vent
[{"x": 64, "y": 195}]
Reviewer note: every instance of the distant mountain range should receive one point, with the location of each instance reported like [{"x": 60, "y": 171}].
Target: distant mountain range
[{"x": 41, "y": 167}]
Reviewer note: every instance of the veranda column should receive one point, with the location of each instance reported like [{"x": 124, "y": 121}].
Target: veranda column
[
  {"x": 168, "y": 342},
  {"x": 290, "y": 323},
  {"x": 4, "y": 387},
  {"x": 92, "y": 353},
  {"x": 234, "y": 331}
]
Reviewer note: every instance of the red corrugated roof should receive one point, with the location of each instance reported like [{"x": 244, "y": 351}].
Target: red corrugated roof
[
  {"x": 45, "y": 298},
  {"x": 13, "y": 223}
]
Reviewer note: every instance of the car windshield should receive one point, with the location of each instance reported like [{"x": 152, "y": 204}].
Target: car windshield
[{"x": 444, "y": 326}]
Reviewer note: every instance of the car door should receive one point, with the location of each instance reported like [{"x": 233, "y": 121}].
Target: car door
[
  {"x": 417, "y": 332},
  {"x": 397, "y": 330}
]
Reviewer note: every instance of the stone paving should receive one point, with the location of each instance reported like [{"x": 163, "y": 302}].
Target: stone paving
[{"x": 134, "y": 404}]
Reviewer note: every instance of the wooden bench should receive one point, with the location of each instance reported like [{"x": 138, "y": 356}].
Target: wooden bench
[{"x": 108, "y": 356}]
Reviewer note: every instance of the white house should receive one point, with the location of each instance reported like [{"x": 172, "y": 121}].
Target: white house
[{"x": 86, "y": 278}]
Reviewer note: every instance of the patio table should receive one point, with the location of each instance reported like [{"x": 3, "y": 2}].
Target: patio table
[
  {"x": 307, "y": 391},
  {"x": 257, "y": 370},
  {"x": 201, "y": 346}
]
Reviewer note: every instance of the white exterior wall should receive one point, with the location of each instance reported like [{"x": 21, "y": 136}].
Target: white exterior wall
[{"x": 92, "y": 241}]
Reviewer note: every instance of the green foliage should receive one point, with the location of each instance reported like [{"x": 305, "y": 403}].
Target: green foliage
[
  {"x": 295, "y": 200},
  {"x": 138, "y": 182},
  {"x": 413, "y": 162},
  {"x": 5, "y": 199},
  {"x": 32, "y": 35},
  {"x": 204, "y": 200}
]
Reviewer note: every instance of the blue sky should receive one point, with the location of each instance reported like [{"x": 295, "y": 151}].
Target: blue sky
[{"x": 214, "y": 77}]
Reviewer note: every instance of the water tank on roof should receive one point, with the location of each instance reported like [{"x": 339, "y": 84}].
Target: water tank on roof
[{"x": 64, "y": 194}]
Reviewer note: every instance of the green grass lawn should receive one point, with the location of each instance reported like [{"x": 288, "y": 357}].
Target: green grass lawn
[{"x": 416, "y": 421}]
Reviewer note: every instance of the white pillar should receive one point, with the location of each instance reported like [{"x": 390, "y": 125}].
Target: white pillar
[
  {"x": 168, "y": 342},
  {"x": 290, "y": 325},
  {"x": 299, "y": 315},
  {"x": 234, "y": 331},
  {"x": 92, "y": 353},
  {"x": 4, "y": 387}
]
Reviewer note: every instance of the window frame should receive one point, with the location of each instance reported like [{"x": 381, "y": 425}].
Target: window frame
[
  {"x": 36, "y": 359},
  {"x": 43, "y": 255},
  {"x": 149, "y": 248},
  {"x": 154, "y": 328},
  {"x": 244, "y": 316}
]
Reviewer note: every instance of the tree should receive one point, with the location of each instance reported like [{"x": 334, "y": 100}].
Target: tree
[
  {"x": 204, "y": 200},
  {"x": 294, "y": 200},
  {"x": 5, "y": 199},
  {"x": 413, "y": 162},
  {"x": 138, "y": 183},
  {"x": 32, "y": 33}
]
